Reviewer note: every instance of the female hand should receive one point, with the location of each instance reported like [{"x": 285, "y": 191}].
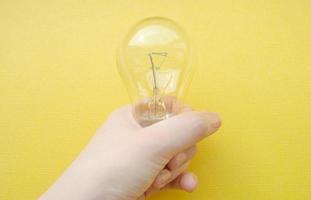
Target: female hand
[{"x": 125, "y": 161}]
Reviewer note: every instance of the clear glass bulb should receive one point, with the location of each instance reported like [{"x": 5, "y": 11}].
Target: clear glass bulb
[{"x": 154, "y": 61}]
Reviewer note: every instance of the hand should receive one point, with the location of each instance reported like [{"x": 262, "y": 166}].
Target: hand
[{"x": 124, "y": 161}]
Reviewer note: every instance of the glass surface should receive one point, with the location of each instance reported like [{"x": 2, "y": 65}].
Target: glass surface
[{"x": 154, "y": 62}]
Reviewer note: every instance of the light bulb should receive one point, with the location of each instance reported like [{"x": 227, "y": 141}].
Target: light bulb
[{"x": 154, "y": 61}]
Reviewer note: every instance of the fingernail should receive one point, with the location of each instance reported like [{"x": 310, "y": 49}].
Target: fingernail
[
  {"x": 189, "y": 182},
  {"x": 163, "y": 178},
  {"x": 192, "y": 182},
  {"x": 213, "y": 119}
]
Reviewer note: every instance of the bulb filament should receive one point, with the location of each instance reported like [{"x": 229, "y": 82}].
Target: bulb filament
[{"x": 157, "y": 109}]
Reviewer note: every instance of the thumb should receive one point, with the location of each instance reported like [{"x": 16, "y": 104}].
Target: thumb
[{"x": 180, "y": 132}]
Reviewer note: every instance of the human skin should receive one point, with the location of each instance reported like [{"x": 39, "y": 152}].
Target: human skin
[{"x": 124, "y": 161}]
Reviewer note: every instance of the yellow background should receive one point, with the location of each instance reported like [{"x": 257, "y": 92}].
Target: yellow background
[{"x": 58, "y": 83}]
